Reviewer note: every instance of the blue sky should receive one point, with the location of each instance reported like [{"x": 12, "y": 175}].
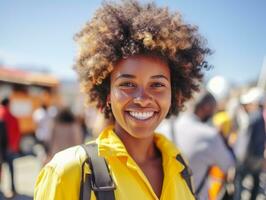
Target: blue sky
[{"x": 40, "y": 33}]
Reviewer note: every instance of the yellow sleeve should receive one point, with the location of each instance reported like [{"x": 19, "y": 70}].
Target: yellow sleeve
[
  {"x": 53, "y": 185},
  {"x": 49, "y": 185},
  {"x": 60, "y": 178}
]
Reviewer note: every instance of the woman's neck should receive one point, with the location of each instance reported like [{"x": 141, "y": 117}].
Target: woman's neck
[{"x": 140, "y": 149}]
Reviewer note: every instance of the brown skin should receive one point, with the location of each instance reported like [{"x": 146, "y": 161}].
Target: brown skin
[{"x": 141, "y": 84}]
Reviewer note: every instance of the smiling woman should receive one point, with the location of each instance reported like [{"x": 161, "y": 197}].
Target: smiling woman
[
  {"x": 140, "y": 95},
  {"x": 139, "y": 64}
]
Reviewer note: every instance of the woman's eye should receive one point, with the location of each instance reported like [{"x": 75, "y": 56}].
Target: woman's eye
[
  {"x": 127, "y": 84},
  {"x": 156, "y": 85}
]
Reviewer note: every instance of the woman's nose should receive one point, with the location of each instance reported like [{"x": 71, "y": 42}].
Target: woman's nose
[{"x": 142, "y": 98}]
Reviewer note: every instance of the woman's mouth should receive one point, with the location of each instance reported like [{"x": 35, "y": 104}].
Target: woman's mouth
[{"x": 141, "y": 115}]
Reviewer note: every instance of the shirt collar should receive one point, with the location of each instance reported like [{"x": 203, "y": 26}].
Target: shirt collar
[
  {"x": 110, "y": 145},
  {"x": 169, "y": 152},
  {"x": 165, "y": 145}
]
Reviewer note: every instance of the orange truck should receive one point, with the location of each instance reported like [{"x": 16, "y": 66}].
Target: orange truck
[{"x": 27, "y": 92}]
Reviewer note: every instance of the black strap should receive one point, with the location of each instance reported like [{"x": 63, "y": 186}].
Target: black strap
[
  {"x": 100, "y": 180},
  {"x": 186, "y": 173},
  {"x": 85, "y": 189}
]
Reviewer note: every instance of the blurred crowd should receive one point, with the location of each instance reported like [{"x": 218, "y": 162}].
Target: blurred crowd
[
  {"x": 57, "y": 128},
  {"x": 224, "y": 142},
  {"x": 222, "y": 138}
]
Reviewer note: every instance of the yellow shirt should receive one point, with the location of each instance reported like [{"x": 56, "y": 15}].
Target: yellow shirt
[{"x": 60, "y": 178}]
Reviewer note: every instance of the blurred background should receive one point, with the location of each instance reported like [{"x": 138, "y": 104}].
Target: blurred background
[{"x": 37, "y": 54}]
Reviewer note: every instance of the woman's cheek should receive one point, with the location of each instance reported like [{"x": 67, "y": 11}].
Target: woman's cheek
[
  {"x": 164, "y": 97},
  {"x": 120, "y": 96}
]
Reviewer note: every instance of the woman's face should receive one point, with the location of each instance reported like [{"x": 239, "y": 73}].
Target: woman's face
[{"x": 140, "y": 95}]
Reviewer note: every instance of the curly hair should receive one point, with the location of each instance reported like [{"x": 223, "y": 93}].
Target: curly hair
[{"x": 120, "y": 30}]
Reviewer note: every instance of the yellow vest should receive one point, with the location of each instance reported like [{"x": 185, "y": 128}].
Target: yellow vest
[{"x": 60, "y": 178}]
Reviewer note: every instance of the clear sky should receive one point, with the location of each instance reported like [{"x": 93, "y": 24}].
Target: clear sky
[{"x": 40, "y": 33}]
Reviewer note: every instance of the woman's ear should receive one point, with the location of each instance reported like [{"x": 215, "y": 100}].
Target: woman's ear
[
  {"x": 108, "y": 98},
  {"x": 108, "y": 106}
]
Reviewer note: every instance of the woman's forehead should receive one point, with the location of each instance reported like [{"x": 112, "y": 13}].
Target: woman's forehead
[{"x": 140, "y": 66}]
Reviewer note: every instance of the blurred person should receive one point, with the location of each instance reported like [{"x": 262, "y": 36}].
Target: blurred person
[
  {"x": 201, "y": 143},
  {"x": 86, "y": 132},
  {"x": 250, "y": 144},
  {"x": 262, "y": 105},
  {"x": 43, "y": 120},
  {"x": 13, "y": 138},
  {"x": 96, "y": 121},
  {"x": 219, "y": 181},
  {"x": 66, "y": 132},
  {"x": 3, "y": 148},
  {"x": 138, "y": 63}
]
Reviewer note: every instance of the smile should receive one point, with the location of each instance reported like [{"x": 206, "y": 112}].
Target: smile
[{"x": 141, "y": 115}]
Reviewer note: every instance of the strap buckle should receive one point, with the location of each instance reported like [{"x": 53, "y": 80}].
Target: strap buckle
[{"x": 107, "y": 188}]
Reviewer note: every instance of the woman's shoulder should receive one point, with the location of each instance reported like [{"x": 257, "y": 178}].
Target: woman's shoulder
[
  {"x": 62, "y": 175},
  {"x": 68, "y": 161}
]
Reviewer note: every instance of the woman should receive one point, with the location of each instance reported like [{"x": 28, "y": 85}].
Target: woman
[{"x": 138, "y": 64}]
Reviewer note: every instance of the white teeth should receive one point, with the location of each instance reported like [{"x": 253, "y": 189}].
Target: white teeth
[{"x": 141, "y": 115}]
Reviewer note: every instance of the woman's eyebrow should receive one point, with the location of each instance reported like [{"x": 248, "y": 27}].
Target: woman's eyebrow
[
  {"x": 159, "y": 76},
  {"x": 133, "y": 76},
  {"x": 125, "y": 76}
]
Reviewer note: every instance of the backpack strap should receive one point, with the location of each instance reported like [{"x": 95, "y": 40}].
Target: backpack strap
[
  {"x": 85, "y": 188},
  {"x": 100, "y": 180},
  {"x": 186, "y": 173}
]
